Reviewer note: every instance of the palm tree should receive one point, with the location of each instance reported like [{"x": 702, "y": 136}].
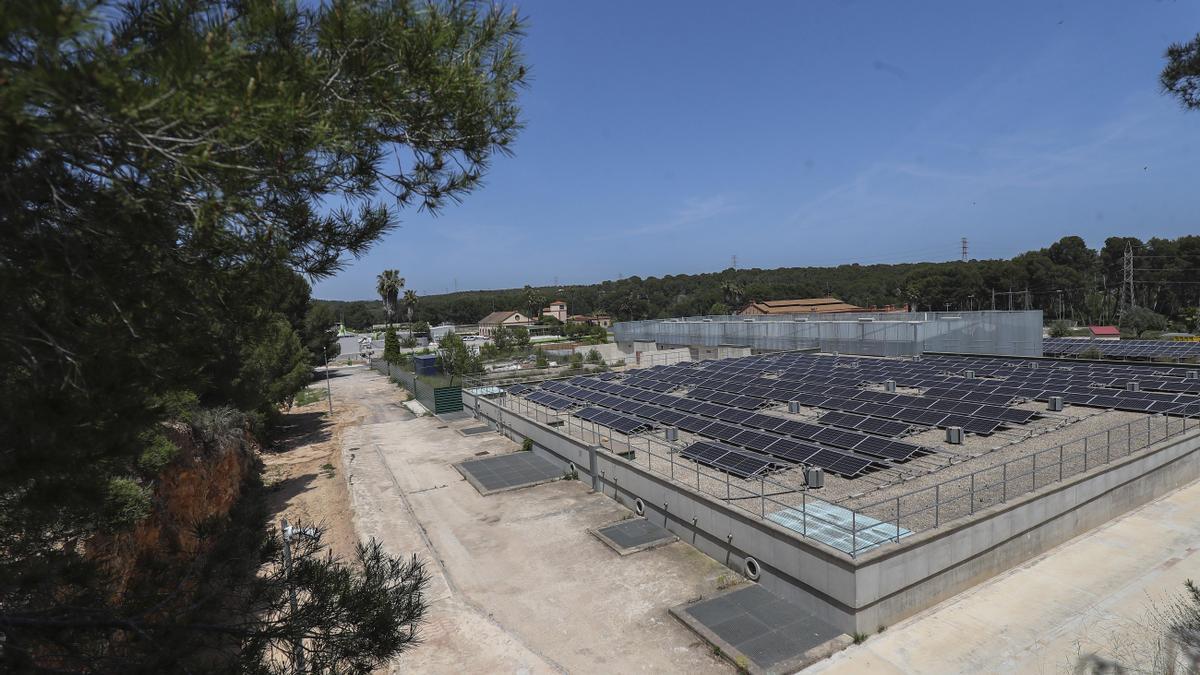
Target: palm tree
[
  {"x": 410, "y": 302},
  {"x": 732, "y": 292},
  {"x": 388, "y": 285}
]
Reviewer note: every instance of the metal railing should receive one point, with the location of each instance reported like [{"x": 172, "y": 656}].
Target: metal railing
[
  {"x": 886, "y": 520},
  {"x": 935, "y": 505}
]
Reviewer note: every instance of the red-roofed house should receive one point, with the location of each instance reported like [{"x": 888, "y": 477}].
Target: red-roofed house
[
  {"x": 1105, "y": 332},
  {"x": 557, "y": 309}
]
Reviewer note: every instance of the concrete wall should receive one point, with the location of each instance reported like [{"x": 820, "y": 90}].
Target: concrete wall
[
  {"x": 893, "y": 581},
  {"x": 896, "y": 581}
]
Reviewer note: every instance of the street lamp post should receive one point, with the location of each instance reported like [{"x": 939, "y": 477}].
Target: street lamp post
[{"x": 328, "y": 388}]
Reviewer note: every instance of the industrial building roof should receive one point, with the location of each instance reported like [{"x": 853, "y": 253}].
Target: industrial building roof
[{"x": 800, "y": 306}]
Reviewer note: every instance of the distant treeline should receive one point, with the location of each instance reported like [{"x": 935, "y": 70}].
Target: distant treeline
[{"x": 1066, "y": 280}]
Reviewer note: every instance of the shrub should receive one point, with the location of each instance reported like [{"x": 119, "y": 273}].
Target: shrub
[
  {"x": 158, "y": 454},
  {"x": 125, "y": 503},
  {"x": 1060, "y": 328},
  {"x": 527, "y": 444}
]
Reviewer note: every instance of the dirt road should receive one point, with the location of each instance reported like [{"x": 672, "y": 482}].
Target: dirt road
[{"x": 518, "y": 583}]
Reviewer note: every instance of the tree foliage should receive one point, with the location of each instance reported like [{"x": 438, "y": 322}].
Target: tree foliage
[
  {"x": 391, "y": 346},
  {"x": 166, "y": 175},
  {"x": 1139, "y": 320},
  {"x": 1181, "y": 76},
  {"x": 1089, "y": 278},
  {"x": 456, "y": 359}
]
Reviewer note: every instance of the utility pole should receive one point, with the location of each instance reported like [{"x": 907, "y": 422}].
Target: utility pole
[
  {"x": 964, "y": 249},
  {"x": 993, "y": 299},
  {"x": 733, "y": 261},
  {"x": 328, "y": 388},
  {"x": 1126, "y": 283}
]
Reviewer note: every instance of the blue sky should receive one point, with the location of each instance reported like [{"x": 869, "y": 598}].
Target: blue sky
[{"x": 666, "y": 137}]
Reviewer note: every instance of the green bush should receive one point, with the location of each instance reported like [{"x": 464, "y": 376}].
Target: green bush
[
  {"x": 125, "y": 503},
  {"x": 158, "y": 454},
  {"x": 527, "y": 444},
  {"x": 1060, "y": 328}
]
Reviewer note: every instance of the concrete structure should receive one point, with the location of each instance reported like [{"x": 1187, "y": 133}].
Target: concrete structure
[
  {"x": 557, "y": 309},
  {"x": 719, "y": 352},
  {"x": 1017, "y": 333},
  {"x": 890, "y": 581},
  {"x": 436, "y": 333},
  {"x": 602, "y": 320},
  {"x": 489, "y": 323}
]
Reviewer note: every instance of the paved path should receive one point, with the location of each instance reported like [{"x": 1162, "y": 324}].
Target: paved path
[
  {"x": 1094, "y": 594},
  {"x": 518, "y": 585}
]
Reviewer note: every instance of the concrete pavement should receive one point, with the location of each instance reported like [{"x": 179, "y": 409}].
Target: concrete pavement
[
  {"x": 518, "y": 583},
  {"x": 1098, "y": 593}
]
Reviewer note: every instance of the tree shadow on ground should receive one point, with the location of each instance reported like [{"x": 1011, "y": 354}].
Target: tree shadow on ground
[
  {"x": 318, "y": 376},
  {"x": 298, "y": 429},
  {"x": 282, "y": 492}
]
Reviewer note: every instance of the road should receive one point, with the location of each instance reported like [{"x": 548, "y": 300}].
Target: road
[{"x": 518, "y": 584}]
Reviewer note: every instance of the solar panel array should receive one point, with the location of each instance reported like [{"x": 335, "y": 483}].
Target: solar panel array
[
  {"x": 721, "y": 402},
  {"x": 1146, "y": 349}
]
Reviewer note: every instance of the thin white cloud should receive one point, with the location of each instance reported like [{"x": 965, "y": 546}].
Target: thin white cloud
[{"x": 693, "y": 211}]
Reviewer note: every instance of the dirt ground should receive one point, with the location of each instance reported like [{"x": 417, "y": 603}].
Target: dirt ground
[
  {"x": 303, "y": 470},
  {"x": 518, "y": 584}
]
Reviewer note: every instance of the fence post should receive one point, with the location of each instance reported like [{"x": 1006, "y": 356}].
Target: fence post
[
  {"x": 897, "y": 519},
  {"x": 726, "y": 487},
  {"x": 1034, "y": 479},
  {"x": 762, "y": 496},
  {"x": 1004, "y": 485},
  {"x": 972, "y": 492},
  {"x": 1060, "y": 463},
  {"x": 853, "y": 534},
  {"x": 1108, "y": 447},
  {"x": 937, "y": 504}
]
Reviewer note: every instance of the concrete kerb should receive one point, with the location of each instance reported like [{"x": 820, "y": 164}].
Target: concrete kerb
[
  {"x": 470, "y": 478},
  {"x": 739, "y": 660},
  {"x": 622, "y": 551}
]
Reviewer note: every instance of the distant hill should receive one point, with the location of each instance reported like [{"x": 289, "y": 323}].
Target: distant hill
[{"x": 1166, "y": 272}]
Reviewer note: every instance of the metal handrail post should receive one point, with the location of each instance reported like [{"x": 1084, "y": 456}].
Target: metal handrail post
[
  {"x": 897, "y": 519},
  {"x": 937, "y": 505},
  {"x": 853, "y": 534},
  {"x": 972, "y": 493}
]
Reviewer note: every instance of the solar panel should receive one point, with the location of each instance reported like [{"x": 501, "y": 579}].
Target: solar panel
[{"x": 727, "y": 459}]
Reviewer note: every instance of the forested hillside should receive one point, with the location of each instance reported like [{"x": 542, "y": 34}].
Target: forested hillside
[{"x": 1166, "y": 280}]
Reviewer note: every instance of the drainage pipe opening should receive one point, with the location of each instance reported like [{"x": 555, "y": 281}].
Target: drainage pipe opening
[{"x": 752, "y": 569}]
